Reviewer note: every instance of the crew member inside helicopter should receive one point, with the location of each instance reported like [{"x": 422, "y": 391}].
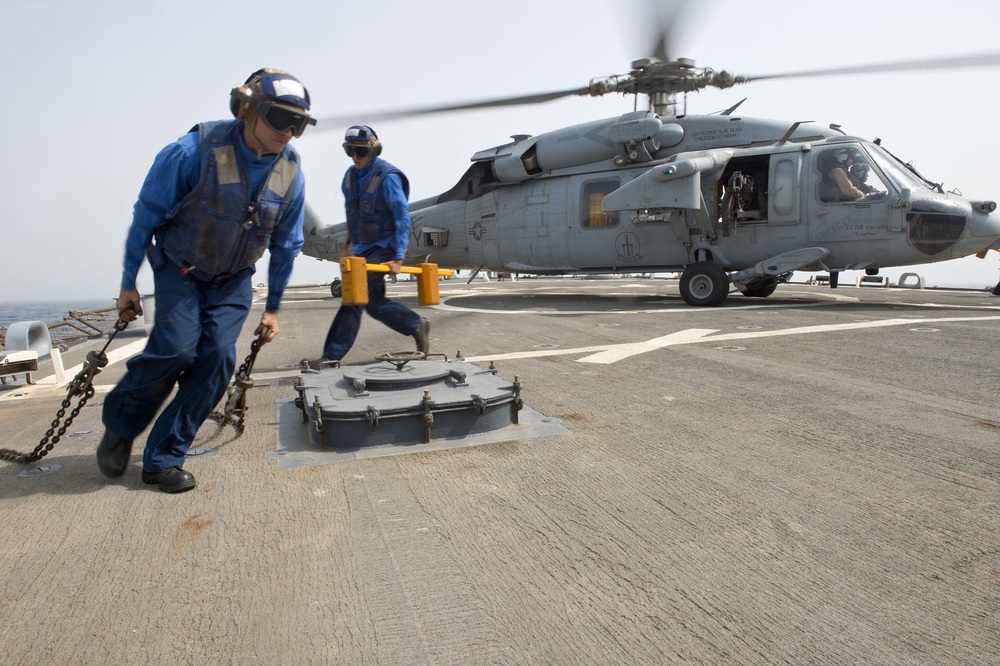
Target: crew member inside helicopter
[
  {"x": 836, "y": 184},
  {"x": 744, "y": 197},
  {"x": 858, "y": 174}
]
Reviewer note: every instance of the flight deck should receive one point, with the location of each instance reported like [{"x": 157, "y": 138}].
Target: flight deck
[{"x": 812, "y": 477}]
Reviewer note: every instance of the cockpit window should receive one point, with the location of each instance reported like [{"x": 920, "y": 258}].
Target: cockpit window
[
  {"x": 897, "y": 174},
  {"x": 847, "y": 176}
]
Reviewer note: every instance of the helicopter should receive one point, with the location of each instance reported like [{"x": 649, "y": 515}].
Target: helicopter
[{"x": 729, "y": 202}]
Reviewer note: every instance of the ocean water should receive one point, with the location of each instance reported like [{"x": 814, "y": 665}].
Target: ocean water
[
  {"x": 54, "y": 312},
  {"x": 50, "y": 312}
]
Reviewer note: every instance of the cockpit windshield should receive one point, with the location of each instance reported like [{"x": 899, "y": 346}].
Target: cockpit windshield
[
  {"x": 895, "y": 171},
  {"x": 862, "y": 172}
]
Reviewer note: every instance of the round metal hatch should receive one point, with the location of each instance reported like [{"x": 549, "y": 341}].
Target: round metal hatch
[
  {"x": 386, "y": 376},
  {"x": 393, "y": 404}
]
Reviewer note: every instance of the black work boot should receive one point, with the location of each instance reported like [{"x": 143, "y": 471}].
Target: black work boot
[
  {"x": 112, "y": 454},
  {"x": 170, "y": 480}
]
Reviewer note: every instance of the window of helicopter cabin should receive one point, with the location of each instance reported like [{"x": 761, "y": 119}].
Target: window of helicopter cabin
[
  {"x": 783, "y": 199},
  {"x": 593, "y": 193}
]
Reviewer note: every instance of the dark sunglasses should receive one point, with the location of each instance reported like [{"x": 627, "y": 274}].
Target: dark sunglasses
[
  {"x": 282, "y": 119},
  {"x": 360, "y": 151}
]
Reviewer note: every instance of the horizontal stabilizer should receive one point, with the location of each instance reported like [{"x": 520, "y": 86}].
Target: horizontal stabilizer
[{"x": 672, "y": 186}]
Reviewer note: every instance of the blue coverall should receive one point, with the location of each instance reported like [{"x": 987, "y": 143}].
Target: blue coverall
[
  {"x": 389, "y": 212},
  {"x": 197, "y": 321}
]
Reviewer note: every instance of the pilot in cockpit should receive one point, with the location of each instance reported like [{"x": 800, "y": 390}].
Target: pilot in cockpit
[
  {"x": 836, "y": 184},
  {"x": 858, "y": 173}
]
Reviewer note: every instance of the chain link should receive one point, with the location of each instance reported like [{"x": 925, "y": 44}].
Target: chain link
[
  {"x": 82, "y": 385},
  {"x": 235, "y": 411}
]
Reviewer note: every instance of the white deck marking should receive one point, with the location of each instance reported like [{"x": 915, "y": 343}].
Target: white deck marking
[
  {"x": 631, "y": 349},
  {"x": 611, "y": 353}
]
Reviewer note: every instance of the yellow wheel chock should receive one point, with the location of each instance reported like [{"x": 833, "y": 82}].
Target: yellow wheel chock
[{"x": 354, "y": 280}]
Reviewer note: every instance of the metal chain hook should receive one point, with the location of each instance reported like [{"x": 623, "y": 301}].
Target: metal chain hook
[{"x": 234, "y": 413}]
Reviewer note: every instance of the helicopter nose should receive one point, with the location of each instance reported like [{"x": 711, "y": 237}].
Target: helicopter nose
[{"x": 985, "y": 220}]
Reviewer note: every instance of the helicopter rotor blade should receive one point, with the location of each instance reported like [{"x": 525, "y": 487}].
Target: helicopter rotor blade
[
  {"x": 336, "y": 122},
  {"x": 661, "y": 75},
  {"x": 669, "y": 18},
  {"x": 982, "y": 60}
]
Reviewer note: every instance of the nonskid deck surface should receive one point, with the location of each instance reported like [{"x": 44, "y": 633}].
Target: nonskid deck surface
[{"x": 808, "y": 478}]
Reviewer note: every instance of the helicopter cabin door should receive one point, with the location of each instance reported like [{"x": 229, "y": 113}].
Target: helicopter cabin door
[
  {"x": 757, "y": 190},
  {"x": 784, "y": 189}
]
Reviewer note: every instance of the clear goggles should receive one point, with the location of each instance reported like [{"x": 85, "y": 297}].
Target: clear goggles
[{"x": 282, "y": 118}]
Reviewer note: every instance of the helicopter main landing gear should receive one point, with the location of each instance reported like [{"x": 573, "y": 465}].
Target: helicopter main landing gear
[{"x": 704, "y": 283}]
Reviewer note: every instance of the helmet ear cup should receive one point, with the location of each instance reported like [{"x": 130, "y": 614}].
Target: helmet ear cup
[
  {"x": 363, "y": 136},
  {"x": 375, "y": 143},
  {"x": 240, "y": 99}
]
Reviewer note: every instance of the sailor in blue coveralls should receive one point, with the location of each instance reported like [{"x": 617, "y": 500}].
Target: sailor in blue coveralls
[
  {"x": 378, "y": 229},
  {"x": 212, "y": 203}
]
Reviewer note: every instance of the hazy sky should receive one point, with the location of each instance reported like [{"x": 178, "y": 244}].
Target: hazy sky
[{"x": 95, "y": 89}]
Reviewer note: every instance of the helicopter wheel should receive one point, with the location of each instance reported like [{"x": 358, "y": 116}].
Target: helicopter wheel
[
  {"x": 335, "y": 288},
  {"x": 764, "y": 289},
  {"x": 704, "y": 283}
]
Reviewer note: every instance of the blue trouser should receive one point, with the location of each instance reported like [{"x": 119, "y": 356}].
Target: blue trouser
[
  {"x": 344, "y": 329},
  {"x": 192, "y": 345}
]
